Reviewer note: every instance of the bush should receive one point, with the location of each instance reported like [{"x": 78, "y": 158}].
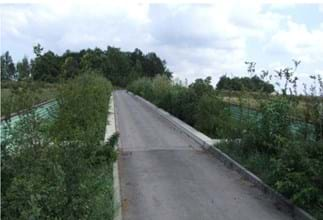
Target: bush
[
  {"x": 142, "y": 87},
  {"x": 59, "y": 168},
  {"x": 213, "y": 116},
  {"x": 271, "y": 130},
  {"x": 198, "y": 105},
  {"x": 297, "y": 171}
]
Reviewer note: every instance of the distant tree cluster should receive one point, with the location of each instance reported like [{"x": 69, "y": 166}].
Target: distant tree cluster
[
  {"x": 8, "y": 68},
  {"x": 118, "y": 66},
  {"x": 248, "y": 83}
]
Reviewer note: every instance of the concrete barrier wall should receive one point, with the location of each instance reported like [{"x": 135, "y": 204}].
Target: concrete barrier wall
[{"x": 208, "y": 144}]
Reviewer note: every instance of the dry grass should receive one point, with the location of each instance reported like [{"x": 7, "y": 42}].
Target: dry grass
[
  {"x": 43, "y": 94},
  {"x": 254, "y": 102}
]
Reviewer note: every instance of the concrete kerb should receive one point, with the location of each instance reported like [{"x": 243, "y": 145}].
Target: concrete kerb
[
  {"x": 208, "y": 144},
  {"x": 111, "y": 128}
]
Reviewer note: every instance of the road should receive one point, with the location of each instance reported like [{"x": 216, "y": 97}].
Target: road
[{"x": 164, "y": 175}]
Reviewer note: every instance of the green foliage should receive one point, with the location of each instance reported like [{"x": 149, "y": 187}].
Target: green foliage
[
  {"x": 289, "y": 162},
  {"x": 314, "y": 106},
  {"x": 202, "y": 86},
  {"x": 197, "y": 105},
  {"x": 298, "y": 172},
  {"x": 212, "y": 116},
  {"x": 244, "y": 83},
  {"x": 8, "y": 69},
  {"x": 262, "y": 141},
  {"x": 46, "y": 67},
  {"x": 60, "y": 168},
  {"x": 274, "y": 124},
  {"x": 142, "y": 87},
  {"x": 120, "y": 67},
  {"x": 23, "y": 69},
  {"x": 70, "y": 68},
  {"x": 38, "y": 49}
]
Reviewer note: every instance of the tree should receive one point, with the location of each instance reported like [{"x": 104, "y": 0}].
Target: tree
[
  {"x": 46, "y": 67},
  {"x": 70, "y": 68},
  {"x": 249, "y": 83},
  {"x": 23, "y": 69},
  {"x": 212, "y": 115},
  {"x": 93, "y": 60},
  {"x": 153, "y": 65},
  {"x": 202, "y": 86},
  {"x": 38, "y": 50},
  {"x": 118, "y": 66},
  {"x": 8, "y": 69}
]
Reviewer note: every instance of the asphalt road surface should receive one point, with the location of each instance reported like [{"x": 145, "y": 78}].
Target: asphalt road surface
[{"x": 164, "y": 175}]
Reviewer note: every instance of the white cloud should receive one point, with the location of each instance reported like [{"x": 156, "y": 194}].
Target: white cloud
[
  {"x": 196, "y": 40},
  {"x": 201, "y": 40},
  {"x": 298, "y": 41}
]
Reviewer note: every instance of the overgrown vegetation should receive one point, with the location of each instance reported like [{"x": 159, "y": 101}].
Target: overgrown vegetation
[
  {"x": 198, "y": 104},
  {"x": 287, "y": 153},
  {"x": 12, "y": 90},
  {"x": 47, "y": 70},
  {"x": 59, "y": 168}
]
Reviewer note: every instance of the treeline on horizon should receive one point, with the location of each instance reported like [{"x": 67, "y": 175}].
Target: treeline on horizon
[
  {"x": 120, "y": 67},
  {"x": 253, "y": 83}
]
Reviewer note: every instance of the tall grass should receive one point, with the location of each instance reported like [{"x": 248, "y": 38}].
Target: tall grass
[{"x": 61, "y": 169}]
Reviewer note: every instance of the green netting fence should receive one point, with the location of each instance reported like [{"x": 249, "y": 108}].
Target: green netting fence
[
  {"x": 297, "y": 127},
  {"x": 44, "y": 110}
]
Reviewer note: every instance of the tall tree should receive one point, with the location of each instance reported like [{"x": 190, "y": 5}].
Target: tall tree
[
  {"x": 70, "y": 68},
  {"x": 8, "y": 69},
  {"x": 46, "y": 67},
  {"x": 202, "y": 86},
  {"x": 118, "y": 66},
  {"x": 92, "y": 59},
  {"x": 153, "y": 65},
  {"x": 23, "y": 69}
]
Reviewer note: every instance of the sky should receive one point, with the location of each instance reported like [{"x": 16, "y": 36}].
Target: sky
[{"x": 196, "y": 40}]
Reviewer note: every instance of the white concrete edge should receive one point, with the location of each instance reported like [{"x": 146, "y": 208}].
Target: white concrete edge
[
  {"x": 110, "y": 130},
  {"x": 208, "y": 144}
]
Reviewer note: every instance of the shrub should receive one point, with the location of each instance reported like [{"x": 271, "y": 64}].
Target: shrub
[
  {"x": 198, "y": 105},
  {"x": 142, "y": 87},
  {"x": 60, "y": 169},
  {"x": 213, "y": 116},
  {"x": 298, "y": 173}
]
